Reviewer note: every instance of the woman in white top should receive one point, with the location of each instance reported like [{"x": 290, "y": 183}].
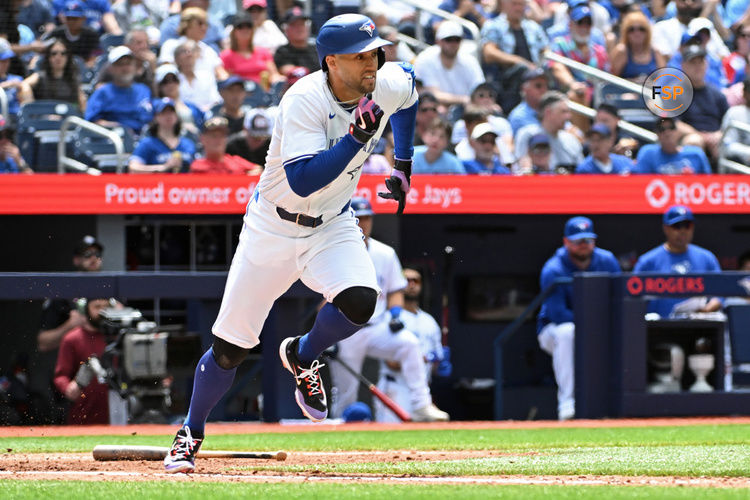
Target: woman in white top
[
  {"x": 196, "y": 86},
  {"x": 193, "y": 26},
  {"x": 266, "y": 33}
]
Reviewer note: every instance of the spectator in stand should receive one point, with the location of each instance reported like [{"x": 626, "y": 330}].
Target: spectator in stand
[
  {"x": 167, "y": 81},
  {"x": 145, "y": 60},
  {"x": 37, "y": 15},
  {"x": 396, "y": 51},
  {"x": 193, "y": 26},
  {"x": 555, "y": 325},
  {"x": 120, "y": 102},
  {"x": 567, "y": 151},
  {"x": 534, "y": 85},
  {"x": 512, "y": 40},
  {"x": 82, "y": 40},
  {"x": 163, "y": 149},
  {"x": 298, "y": 52},
  {"x": 266, "y": 33},
  {"x": 484, "y": 98},
  {"x": 470, "y": 10},
  {"x": 579, "y": 46},
  {"x": 11, "y": 161},
  {"x": 433, "y": 157},
  {"x": 601, "y": 29},
  {"x": 678, "y": 255},
  {"x": 633, "y": 57},
  {"x": 253, "y": 142},
  {"x": 216, "y": 160},
  {"x": 146, "y": 15},
  {"x": 602, "y": 160},
  {"x": 736, "y": 141},
  {"x": 486, "y": 158},
  {"x": 735, "y": 64},
  {"x": 99, "y": 15},
  {"x": 15, "y": 89},
  {"x": 426, "y": 114},
  {"x": 607, "y": 114},
  {"x": 245, "y": 60},
  {"x": 700, "y": 36},
  {"x": 58, "y": 78},
  {"x": 540, "y": 156},
  {"x": 90, "y": 403},
  {"x": 668, "y": 157},
  {"x": 701, "y": 123},
  {"x": 667, "y": 34},
  {"x": 233, "y": 94},
  {"x": 170, "y": 27},
  {"x": 445, "y": 71},
  {"x": 196, "y": 86}
]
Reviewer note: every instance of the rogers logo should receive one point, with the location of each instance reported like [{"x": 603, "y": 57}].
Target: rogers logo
[
  {"x": 658, "y": 193},
  {"x": 634, "y": 285}
]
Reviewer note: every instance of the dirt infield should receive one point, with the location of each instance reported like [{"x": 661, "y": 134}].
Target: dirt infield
[{"x": 82, "y": 466}]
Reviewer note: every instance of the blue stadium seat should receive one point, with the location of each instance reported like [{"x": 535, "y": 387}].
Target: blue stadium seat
[
  {"x": 631, "y": 106},
  {"x": 38, "y": 132},
  {"x": 738, "y": 321},
  {"x": 256, "y": 96},
  {"x": 99, "y": 152},
  {"x": 108, "y": 41}
]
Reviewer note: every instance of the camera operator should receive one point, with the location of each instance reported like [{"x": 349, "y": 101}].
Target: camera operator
[{"x": 75, "y": 374}]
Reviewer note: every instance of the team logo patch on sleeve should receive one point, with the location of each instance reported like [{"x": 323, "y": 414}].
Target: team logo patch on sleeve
[{"x": 369, "y": 27}]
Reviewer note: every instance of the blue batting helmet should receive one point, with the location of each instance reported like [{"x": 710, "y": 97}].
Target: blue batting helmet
[
  {"x": 349, "y": 34},
  {"x": 361, "y": 206}
]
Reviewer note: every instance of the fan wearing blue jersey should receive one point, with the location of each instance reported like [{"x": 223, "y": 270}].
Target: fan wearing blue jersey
[{"x": 298, "y": 224}]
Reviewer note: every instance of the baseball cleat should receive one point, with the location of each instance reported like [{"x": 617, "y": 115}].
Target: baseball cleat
[
  {"x": 310, "y": 393},
  {"x": 181, "y": 457},
  {"x": 429, "y": 413}
]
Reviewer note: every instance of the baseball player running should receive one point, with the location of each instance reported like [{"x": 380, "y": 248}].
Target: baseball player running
[
  {"x": 384, "y": 337},
  {"x": 298, "y": 224}
]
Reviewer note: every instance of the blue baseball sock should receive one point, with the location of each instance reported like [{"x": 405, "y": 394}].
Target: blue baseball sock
[
  {"x": 330, "y": 327},
  {"x": 210, "y": 384}
]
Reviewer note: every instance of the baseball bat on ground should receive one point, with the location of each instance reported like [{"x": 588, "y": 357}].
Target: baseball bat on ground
[
  {"x": 106, "y": 452},
  {"x": 402, "y": 414}
]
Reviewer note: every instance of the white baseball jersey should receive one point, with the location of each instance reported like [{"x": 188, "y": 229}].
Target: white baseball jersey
[
  {"x": 390, "y": 275},
  {"x": 309, "y": 121},
  {"x": 427, "y": 331}
]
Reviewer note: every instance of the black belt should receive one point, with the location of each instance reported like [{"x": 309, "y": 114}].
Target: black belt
[{"x": 303, "y": 219}]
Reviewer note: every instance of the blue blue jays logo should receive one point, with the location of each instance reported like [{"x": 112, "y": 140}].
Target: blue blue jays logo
[
  {"x": 583, "y": 226},
  {"x": 369, "y": 27}
]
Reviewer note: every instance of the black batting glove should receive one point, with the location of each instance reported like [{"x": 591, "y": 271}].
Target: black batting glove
[
  {"x": 398, "y": 184},
  {"x": 367, "y": 116}
]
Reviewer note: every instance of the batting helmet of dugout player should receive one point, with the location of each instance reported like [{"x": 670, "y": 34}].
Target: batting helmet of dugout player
[{"x": 349, "y": 34}]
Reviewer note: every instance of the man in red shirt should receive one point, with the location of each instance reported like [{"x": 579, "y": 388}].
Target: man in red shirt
[
  {"x": 90, "y": 403},
  {"x": 216, "y": 160}
]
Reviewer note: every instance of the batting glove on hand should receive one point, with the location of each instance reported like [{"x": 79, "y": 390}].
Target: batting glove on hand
[
  {"x": 398, "y": 184},
  {"x": 395, "y": 324},
  {"x": 367, "y": 116}
]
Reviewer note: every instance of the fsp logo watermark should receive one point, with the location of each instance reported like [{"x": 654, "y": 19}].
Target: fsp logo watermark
[{"x": 667, "y": 92}]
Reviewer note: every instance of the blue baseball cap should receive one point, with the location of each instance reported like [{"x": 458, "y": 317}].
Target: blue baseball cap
[
  {"x": 677, "y": 213},
  {"x": 601, "y": 129},
  {"x": 579, "y": 227},
  {"x": 232, "y": 80},
  {"x": 74, "y": 9},
  {"x": 580, "y": 12},
  {"x": 162, "y": 104},
  {"x": 538, "y": 140},
  {"x": 361, "y": 207},
  {"x": 357, "y": 412}
]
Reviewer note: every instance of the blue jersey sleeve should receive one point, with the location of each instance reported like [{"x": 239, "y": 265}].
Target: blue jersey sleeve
[
  {"x": 404, "y": 124},
  {"x": 146, "y": 151},
  {"x": 558, "y": 310},
  {"x": 307, "y": 175}
]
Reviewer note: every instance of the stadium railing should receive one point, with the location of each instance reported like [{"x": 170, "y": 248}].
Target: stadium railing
[
  {"x": 727, "y": 165},
  {"x": 65, "y": 162}
]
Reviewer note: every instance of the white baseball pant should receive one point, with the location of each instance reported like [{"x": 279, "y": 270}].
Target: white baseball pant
[{"x": 559, "y": 341}]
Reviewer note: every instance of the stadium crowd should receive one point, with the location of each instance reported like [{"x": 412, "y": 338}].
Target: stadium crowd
[{"x": 160, "y": 72}]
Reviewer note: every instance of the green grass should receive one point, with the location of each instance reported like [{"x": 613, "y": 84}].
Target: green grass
[
  {"x": 693, "y": 461},
  {"x": 33, "y": 490},
  {"x": 461, "y": 439}
]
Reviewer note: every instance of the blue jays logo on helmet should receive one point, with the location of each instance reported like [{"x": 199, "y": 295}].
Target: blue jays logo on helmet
[{"x": 349, "y": 34}]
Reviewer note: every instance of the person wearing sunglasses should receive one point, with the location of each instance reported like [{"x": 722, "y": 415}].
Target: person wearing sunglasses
[
  {"x": 58, "y": 77},
  {"x": 266, "y": 33},
  {"x": 633, "y": 57},
  {"x": 449, "y": 73},
  {"x": 735, "y": 64},
  {"x": 555, "y": 326},
  {"x": 678, "y": 255},
  {"x": 668, "y": 156},
  {"x": 299, "y": 51}
]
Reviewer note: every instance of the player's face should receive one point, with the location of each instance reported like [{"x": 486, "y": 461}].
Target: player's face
[
  {"x": 90, "y": 260},
  {"x": 413, "y": 284},
  {"x": 580, "y": 249},
  {"x": 679, "y": 235},
  {"x": 355, "y": 73}
]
